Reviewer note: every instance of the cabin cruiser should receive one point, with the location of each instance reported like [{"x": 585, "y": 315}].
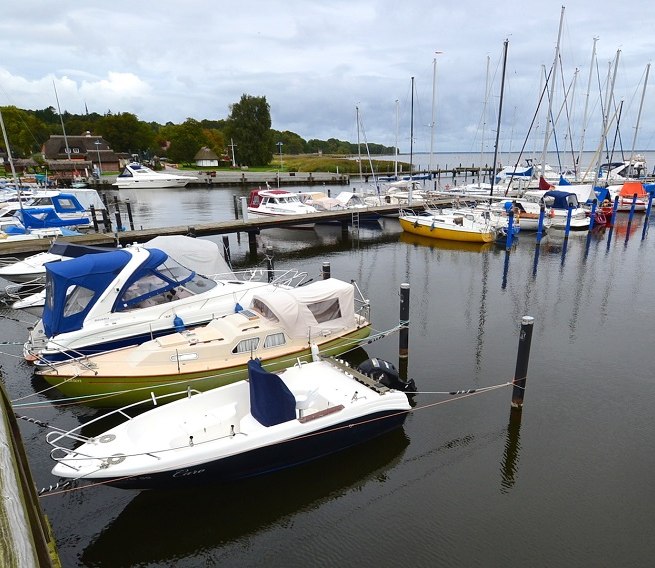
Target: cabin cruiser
[
  {"x": 126, "y": 296},
  {"x": 276, "y": 202},
  {"x": 561, "y": 203},
  {"x": 136, "y": 175}
]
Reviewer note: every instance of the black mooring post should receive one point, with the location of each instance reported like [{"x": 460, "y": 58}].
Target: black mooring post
[
  {"x": 270, "y": 264},
  {"x": 129, "y": 214},
  {"x": 106, "y": 221},
  {"x": 403, "y": 339},
  {"x": 325, "y": 271},
  {"x": 92, "y": 210},
  {"x": 226, "y": 249},
  {"x": 119, "y": 222},
  {"x": 522, "y": 360},
  {"x": 252, "y": 243}
]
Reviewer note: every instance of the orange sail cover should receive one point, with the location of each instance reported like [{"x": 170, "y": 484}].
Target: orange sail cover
[{"x": 631, "y": 187}]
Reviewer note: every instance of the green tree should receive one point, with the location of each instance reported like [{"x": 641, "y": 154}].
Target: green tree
[
  {"x": 249, "y": 126},
  {"x": 25, "y": 132},
  {"x": 185, "y": 140},
  {"x": 126, "y": 133}
]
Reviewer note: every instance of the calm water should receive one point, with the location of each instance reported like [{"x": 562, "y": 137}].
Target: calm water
[{"x": 466, "y": 482}]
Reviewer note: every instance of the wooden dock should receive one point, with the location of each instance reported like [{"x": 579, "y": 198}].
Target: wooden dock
[{"x": 252, "y": 226}]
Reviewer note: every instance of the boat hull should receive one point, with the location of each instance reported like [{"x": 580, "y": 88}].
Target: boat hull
[
  {"x": 450, "y": 234},
  {"x": 120, "y": 390},
  {"x": 268, "y": 459}
]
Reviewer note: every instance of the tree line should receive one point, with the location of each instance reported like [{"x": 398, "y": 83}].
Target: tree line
[{"x": 246, "y": 131}]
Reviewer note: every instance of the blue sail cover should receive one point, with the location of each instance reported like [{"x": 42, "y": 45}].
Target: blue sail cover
[
  {"x": 67, "y": 203},
  {"x": 271, "y": 401},
  {"x": 92, "y": 273}
]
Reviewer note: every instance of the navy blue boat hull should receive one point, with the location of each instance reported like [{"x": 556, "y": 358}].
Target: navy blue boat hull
[{"x": 273, "y": 458}]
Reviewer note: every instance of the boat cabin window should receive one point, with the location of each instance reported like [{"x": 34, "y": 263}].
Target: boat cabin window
[
  {"x": 263, "y": 309},
  {"x": 326, "y": 310},
  {"x": 246, "y": 345},
  {"x": 275, "y": 340},
  {"x": 78, "y": 299}
]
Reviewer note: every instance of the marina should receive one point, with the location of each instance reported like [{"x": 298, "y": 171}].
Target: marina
[{"x": 467, "y": 476}]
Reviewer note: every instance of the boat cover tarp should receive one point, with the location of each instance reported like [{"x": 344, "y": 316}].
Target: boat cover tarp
[
  {"x": 200, "y": 255},
  {"x": 561, "y": 199},
  {"x": 583, "y": 191},
  {"x": 67, "y": 203},
  {"x": 92, "y": 272},
  {"x": 325, "y": 305},
  {"x": 630, "y": 188},
  {"x": 45, "y": 218},
  {"x": 271, "y": 401},
  {"x": 72, "y": 250}
]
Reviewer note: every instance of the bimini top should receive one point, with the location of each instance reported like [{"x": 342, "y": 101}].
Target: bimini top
[
  {"x": 73, "y": 287},
  {"x": 561, "y": 199},
  {"x": 328, "y": 304}
]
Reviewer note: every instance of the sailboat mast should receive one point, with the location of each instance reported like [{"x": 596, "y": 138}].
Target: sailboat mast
[
  {"x": 606, "y": 121},
  {"x": 395, "y": 152},
  {"x": 61, "y": 118},
  {"x": 500, "y": 110},
  {"x": 550, "y": 97},
  {"x": 359, "y": 147},
  {"x": 586, "y": 107},
  {"x": 411, "y": 135},
  {"x": 484, "y": 122},
  {"x": 432, "y": 123},
  {"x": 11, "y": 161},
  {"x": 641, "y": 105}
]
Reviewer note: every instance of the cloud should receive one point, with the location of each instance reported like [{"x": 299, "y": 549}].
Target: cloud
[{"x": 315, "y": 62}]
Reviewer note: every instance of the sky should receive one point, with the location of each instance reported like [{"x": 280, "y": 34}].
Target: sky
[{"x": 343, "y": 69}]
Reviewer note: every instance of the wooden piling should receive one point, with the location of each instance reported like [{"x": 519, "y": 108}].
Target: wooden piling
[
  {"x": 252, "y": 243},
  {"x": 632, "y": 208},
  {"x": 106, "y": 221},
  {"x": 522, "y": 360},
  {"x": 226, "y": 249},
  {"x": 326, "y": 270},
  {"x": 129, "y": 214},
  {"x": 403, "y": 338},
  {"x": 270, "y": 265},
  {"x": 540, "y": 226},
  {"x": 94, "y": 219}
]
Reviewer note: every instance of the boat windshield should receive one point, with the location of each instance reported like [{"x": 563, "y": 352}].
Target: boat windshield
[{"x": 165, "y": 283}]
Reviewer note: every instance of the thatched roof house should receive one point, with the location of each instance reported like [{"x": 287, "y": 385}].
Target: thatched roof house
[
  {"x": 206, "y": 158},
  {"x": 82, "y": 151}
]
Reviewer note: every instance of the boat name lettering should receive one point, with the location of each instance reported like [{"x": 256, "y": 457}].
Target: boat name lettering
[{"x": 187, "y": 472}]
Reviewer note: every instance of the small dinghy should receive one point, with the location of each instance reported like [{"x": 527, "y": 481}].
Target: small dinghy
[{"x": 241, "y": 430}]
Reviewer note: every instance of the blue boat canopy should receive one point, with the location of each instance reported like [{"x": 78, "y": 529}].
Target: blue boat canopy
[
  {"x": 85, "y": 278},
  {"x": 560, "y": 199},
  {"x": 271, "y": 401},
  {"x": 73, "y": 287}
]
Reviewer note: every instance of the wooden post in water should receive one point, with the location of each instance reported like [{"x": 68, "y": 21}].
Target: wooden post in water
[
  {"x": 540, "y": 226},
  {"x": 94, "y": 219},
  {"x": 269, "y": 263},
  {"x": 567, "y": 229},
  {"x": 226, "y": 249},
  {"x": 106, "y": 221},
  {"x": 403, "y": 340},
  {"x": 252, "y": 243},
  {"x": 119, "y": 222},
  {"x": 632, "y": 208},
  {"x": 129, "y": 214},
  {"x": 614, "y": 208},
  {"x": 592, "y": 218},
  {"x": 326, "y": 270},
  {"x": 522, "y": 360}
]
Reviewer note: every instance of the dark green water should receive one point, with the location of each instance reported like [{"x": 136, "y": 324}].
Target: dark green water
[{"x": 566, "y": 482}]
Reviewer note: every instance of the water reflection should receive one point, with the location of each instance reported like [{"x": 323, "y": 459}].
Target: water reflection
[
  {"x": 442, "y": 244},
  {"x": 215, "y": 517},
  {"x": 509, "y": 463}
]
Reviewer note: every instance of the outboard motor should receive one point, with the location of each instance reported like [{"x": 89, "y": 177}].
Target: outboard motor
[{"x": 385, "y": 373}]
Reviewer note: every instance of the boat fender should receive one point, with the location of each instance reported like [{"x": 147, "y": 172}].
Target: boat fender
[
  {"x": 385, "y": 373},
  {"x": 178, "y": 322}
]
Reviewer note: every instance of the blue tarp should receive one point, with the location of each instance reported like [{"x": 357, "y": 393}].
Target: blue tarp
[
  {"x": 271, "y": 401},
  {"x": 46, "y": 218},
  {"x": 561, "y": 199},
  {"x": 92, "y": 272}
]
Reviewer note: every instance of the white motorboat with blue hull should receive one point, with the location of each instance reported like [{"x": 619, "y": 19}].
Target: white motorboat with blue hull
[
  {"x": 241, "y": 430},
  {"x": 113, "y": 299}
]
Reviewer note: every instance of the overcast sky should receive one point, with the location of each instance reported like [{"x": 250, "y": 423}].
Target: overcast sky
[{"x": 315, "y": 62}]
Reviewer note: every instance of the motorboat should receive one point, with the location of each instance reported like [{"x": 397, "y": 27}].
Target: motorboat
[
  {"x": 31, "y": 269},
  {"x": 277, "y": 202},
  {"x": 40, "y": 223},
  {"x": 464, "y": 226},
  {"x": 562, "y": 204},
  {"x": 70, "y": 204},
  {"x": 277, "y": 326},
  {"x": 137, "y": 175},
  {"x": 241, "y": 430},
  {"x": 127, "y": 296},
  {"x": 348, "y": 201}
]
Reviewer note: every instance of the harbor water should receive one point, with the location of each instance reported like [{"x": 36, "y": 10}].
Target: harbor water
[{"x": 567, "y": 481}]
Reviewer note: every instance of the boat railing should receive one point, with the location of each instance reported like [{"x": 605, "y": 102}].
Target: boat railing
[
  {"x": 60, "y": 452},
  {"x": 362, "y": 304}
]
